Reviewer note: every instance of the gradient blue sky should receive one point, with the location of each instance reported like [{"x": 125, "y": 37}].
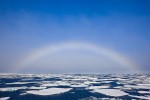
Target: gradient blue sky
[{"x": 122, "y": 25}]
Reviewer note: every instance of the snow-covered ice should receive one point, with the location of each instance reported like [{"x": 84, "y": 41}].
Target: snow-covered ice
[
  {"x": 98, "y": 87},
  {"x": 49, "y": 91},
  {"x": 13, "y": 88},
  {"x": 4, "y": 98},
  {"x": 110, "y": 92}
]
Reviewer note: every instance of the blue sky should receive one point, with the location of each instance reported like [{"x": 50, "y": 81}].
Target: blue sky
[{"x": 121, "y": 25}]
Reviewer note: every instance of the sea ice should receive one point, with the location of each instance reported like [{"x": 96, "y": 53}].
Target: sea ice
[
  {"x": 49, "y": 84},
  {"x": 12, "y": 88},
  {"x": 110, "y": 92},
  {"x": 49, "y": 91},
  {"x": 4, "y": 98},
  {"x": 33, "y": 87},
  {"x": 14, "y": 83},
  {"x": 79, "y": 85},
  {"x": 137, "y": 86},
  {"x": 141, "y": 97},
  {"x": 143, "y": 92},
  {"x": 98, "y": 87}
]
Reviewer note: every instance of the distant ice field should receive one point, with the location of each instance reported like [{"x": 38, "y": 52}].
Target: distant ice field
[{"x": 74, "y": 86}]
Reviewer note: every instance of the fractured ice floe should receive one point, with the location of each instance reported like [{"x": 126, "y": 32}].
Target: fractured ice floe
[
  {"x": 4, "y": 98},
  {"x": 79, "y": 85},
  {"x": 106, "y": 81},
  {"x": 98, "y": 87},
  {"x": 14, "y": 83},
  {"x": 137, "y": 86},
  {"x": 49, "y": 91},
  {"x": 141, "y": 97},
  {"x": 91, "y": 82},
  {"x": 95, "y": 98},
  {"x": 13, "y": 88},
  {"x": 61, "y": 83},
  {"x": 49, "y": 84},
  {"x": 122, "y": 88},
  {"x": 144, "y": 92},
  {"x": 111, "y": 85},
  {"x": 144, "y": 84},
  {"x": 110, "y": 92},
  {"x": 57, "y": 83},
  {"x": 33, "y": 87}
]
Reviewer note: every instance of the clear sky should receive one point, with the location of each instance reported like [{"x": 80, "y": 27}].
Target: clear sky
[{"x": 26, "y": 26}]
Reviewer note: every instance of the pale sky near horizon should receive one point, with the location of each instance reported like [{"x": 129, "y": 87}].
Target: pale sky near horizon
[{"x": 26, "y": 26}]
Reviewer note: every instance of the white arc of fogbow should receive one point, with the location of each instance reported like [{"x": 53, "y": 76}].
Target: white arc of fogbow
[{"x": 53, "y": 48}]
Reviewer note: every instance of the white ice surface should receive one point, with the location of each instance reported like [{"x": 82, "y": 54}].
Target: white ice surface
[
  {"x": 137, "y": 86},
  {"x": 49, "y": 91},
  {"x": 33, "y": 87},
  {"x": 141, "y": 97},
  {"x": 110, "y": 92},
  {"x": 14, "y": 83},
  {"x": 142, "y": 92},
  {"x": 4, "y": 98},
  {"x": 91, "y": 82},
  {"x": 122, "y": 88},
  {"x": 61, "y": 83},
  {"x": 98, "y": 87},
  {"x": 13, "y": 88},
  {"x": 79, "y": 85},
  {"x": 49, "y": 84}
]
